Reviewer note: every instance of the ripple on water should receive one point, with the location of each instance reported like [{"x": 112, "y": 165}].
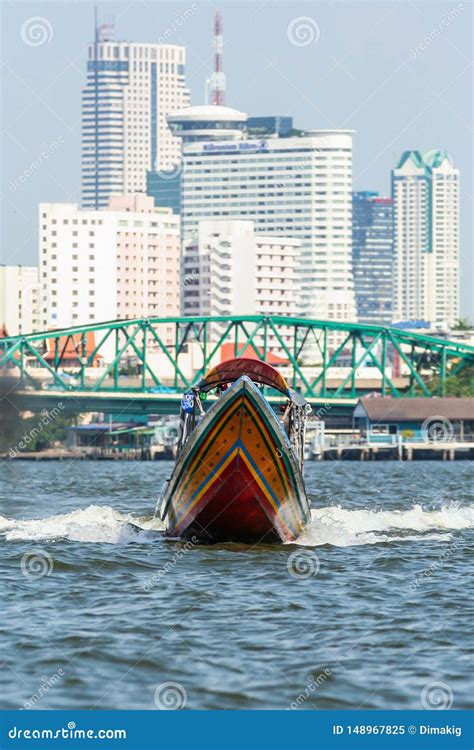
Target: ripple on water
[{"x": 385, "y": 611}]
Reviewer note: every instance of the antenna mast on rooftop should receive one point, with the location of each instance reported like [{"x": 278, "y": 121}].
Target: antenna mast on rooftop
[
  {"x": 218, "y": 77},
  {"x": 103, "y": 32}
]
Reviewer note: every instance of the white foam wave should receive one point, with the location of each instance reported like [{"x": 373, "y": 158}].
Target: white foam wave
[
  {"x": 334, "y": 525},
  {"x": 343, "y": 527},
  {"x": 97, "y": 523}
]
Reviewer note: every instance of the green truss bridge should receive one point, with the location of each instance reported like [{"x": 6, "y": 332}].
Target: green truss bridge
[{"x": 144, "y": 365}]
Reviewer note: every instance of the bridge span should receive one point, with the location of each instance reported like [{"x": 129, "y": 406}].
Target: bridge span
[{"x": 143, "y": 365}]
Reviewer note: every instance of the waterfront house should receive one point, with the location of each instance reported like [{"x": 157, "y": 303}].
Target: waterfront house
[{"x": 415, "y": 419}]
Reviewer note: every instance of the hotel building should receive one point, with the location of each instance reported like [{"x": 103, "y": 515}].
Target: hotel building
[
  {"x": 290, "y": 187},
  {"x": 425, "y": 190}
]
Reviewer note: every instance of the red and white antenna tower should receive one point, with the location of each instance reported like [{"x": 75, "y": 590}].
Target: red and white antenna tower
[{"x": 218, "y": 77}]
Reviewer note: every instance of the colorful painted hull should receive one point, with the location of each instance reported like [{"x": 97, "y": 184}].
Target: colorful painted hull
[{"x": 237, "y": 478}]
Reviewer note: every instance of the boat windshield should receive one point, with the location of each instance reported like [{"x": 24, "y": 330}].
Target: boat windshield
[{"x": 233, "y": 369}]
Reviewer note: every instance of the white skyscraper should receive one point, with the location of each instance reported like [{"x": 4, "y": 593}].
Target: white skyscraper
[
  {"x": 228, "y": 269},
  {"x": 426, "y": 227},
  {"x": 295, "y": 187},
  {"x": 130, "y": 90}
]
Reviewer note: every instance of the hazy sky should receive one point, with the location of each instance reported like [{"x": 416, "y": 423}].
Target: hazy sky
[{"x": 398, "y": 73}]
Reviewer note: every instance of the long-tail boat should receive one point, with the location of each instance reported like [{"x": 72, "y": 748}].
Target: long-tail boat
[{"x": 238, "y": 475}]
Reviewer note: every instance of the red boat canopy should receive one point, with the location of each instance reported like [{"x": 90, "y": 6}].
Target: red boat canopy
[{"x": 255, "y": 369}]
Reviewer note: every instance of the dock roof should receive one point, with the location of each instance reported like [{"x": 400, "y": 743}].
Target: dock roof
[{"x": 415, "y": 409}]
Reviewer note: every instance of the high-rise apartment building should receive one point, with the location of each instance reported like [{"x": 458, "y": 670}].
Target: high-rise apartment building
[
  {"x": 20, "y": 300},
  {"x": 425, "y": 190},
  {"x": 130, "y": 90},
  {"x": 228, "y": 269},
  {"x": 122, "y": 262},
  {"x": 295, "y": 187},
  {"x": 372, "y": 254}
]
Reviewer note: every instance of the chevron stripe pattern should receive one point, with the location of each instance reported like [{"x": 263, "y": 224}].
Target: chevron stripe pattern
[{"x": 239, "y": 455}]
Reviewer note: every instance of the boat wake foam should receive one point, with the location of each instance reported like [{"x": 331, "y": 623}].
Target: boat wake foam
[
  {"x": 342, "y": 527},
  {"x": 333, "y": 525},
  {"x": 97, "y": 523}
]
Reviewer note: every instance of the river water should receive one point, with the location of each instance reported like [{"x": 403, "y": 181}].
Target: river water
[{"x": 370, "y": 609}]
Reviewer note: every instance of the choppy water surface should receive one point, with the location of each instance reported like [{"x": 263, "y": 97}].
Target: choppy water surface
[{"x": 370, "y": 609}]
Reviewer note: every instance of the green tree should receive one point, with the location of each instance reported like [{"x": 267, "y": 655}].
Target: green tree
[
  {"x": 463, "y": 324},
  {"x": 43, "y": 430},
  {"x": 460, "y": 385}
]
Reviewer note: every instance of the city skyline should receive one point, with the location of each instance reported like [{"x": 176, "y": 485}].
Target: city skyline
[{"x": 62, "y": 152}]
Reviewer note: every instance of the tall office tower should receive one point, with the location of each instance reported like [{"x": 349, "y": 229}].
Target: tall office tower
[
  {"x": 296, "y": 187},
  {"x": 20, "y": 300},
  {"x": 372, "y": 255},
  {"x": 425, "y": 190},
  {"x": 122, "y": 262},
  {"x": 228, "y": 269},
  {"x": 130, "y": 90}
]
